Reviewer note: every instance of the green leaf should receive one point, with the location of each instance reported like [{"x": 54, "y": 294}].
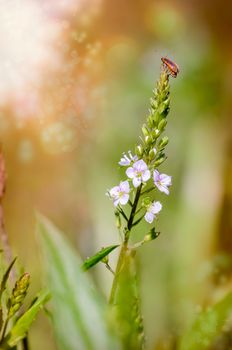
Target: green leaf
[
  {"x": 6, "y": 276},
  {"x": 3, "y": 287},
  {"x": 93, "y": 260},
  {"x": 129, "y": 322},
  {"x": 207, "y": 326},
  {"x": 22, "y": 325},
  {"x": 79, "y": 314}
]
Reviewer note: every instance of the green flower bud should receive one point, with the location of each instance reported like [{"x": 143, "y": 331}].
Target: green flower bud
[
  {"x": 146, "y": 202},
  {"x": 145, "y": 130},
  {"x": 159, "y": 161},
  {"x": 18, "y": 294},
  {"x": 164, "y": 107},
  {"x": 156, "y": 133},
  {"x": 139, "y": 150},
  {"x": 156, "y": 117},
  {"x": 163, "y": 142},
  {"x": 162, "y": 125},
  {"x": 153, "y": 103},
  {"x": 151, "y": 235},
  {"x": 152, "y": 154},
  {"x": 150, "y": 121},
  {"x": 148, "y": 140}
]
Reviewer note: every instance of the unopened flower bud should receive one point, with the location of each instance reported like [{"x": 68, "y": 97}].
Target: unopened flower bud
[
  {"x": 150, "y": 121},
  {"x": 164, "y": 107},
  {"x": 162, "y": 124},
  {"x": 153, "y": 103},
  {"x": 139, "y": 150},
  {"x": 151, "y": 235},
  {"x": 145, "y": 130},
  {"x": 156, "y": 117},
  {"x": 156, "y": 133},
  {"x": 148, "y": 140},
  {"x": 146, "y": 202},
  {"x": 163, "y": 142},
  {"x": 159, "y": 161},
  {"x": 152, "y": 154},
  {"x": 18, "y": 294}
]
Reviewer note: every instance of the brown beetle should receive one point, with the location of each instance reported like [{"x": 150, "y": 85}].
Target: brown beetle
[{"x": 171, "y": 66}]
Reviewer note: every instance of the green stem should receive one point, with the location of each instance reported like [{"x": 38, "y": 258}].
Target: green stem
[
  {"x": 109, "y": 268},
  {"x": 148, "y": 190},
  {"x": 4, "y": 330},
  {"x": 117, "y": 272},
  {"x": 123, "y": 214},
  {"x": 137, "y": 221},
  {"x": 138, "y": 210},
  {"x": 133, "y": 210},
  {"x": 124, "y": 247}
]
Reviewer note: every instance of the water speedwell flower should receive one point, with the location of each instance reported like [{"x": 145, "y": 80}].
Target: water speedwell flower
[
  {"x": 126, "y": 160},
  {"x": 153, "y": 209},
  {"x": 138, "y": 173},
  {"x": 162, "y": 181},
  {"x": 120, "y": 194}
]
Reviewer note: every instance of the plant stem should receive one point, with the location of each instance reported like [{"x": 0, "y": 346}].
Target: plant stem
[
  {"x": 123, "y": 214},
  {"x": 109, "y": 268},
  {"x": 133, "y": 210},
  {"x": 4, "y": 330},
  {"x": 148, "y": 190},
  {"x": 124, "y": 247},
  {"x": 117, "y": 272}
]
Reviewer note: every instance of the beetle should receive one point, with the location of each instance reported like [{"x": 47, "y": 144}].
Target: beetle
[{"x": 171, "y": 66}]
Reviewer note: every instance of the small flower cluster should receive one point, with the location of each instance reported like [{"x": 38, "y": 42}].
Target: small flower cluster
[
  {"x": 139, "y": 173},
  {"x": 142, "y": 167}
]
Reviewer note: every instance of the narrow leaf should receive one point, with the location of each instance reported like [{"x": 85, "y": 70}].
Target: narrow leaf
[
  {"x": 129, "y": 322},
  {"x": 207, "y": 326},
  {"x": 22, "y": 325},
  {"x": 93, "y": 260},
  {"x": 78, "y": 311},
  {"x": 6, "y": 276}
]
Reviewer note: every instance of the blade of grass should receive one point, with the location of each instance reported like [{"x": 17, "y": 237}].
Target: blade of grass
[{"x": 79, "y": 313}]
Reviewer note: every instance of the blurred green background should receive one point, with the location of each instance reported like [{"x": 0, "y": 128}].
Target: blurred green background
[{"x": 76, "y": 78}]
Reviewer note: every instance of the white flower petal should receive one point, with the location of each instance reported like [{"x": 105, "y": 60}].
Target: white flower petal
[
  {"x": 156, "y": 175},
  {"x": 124, "y": 186},
  {"x": 116, "y": 201},
  {"x": 146, "y": 175},
  {"x": 136, "y": 181},
  {"x": 162, "y": 188},
  {"x": 114, "y": 191},
  {"x": 140, "y": 165},
  {"x": 156, "y": 207},
  {"x": 124, "y": 162},
  {"x": 124, "y": 199},
  {"x": 149, "y": 217},
  {"x": 166, "y": 179},
  {"x": 130, "y": 173}
]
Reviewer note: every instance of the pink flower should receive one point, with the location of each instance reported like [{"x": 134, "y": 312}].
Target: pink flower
[
  {"x": 138, "y": 173},
  {"x": 153, "y": 209},
  {"x": 162, "y": 181},
  {"x": 120, "y": 194}
]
